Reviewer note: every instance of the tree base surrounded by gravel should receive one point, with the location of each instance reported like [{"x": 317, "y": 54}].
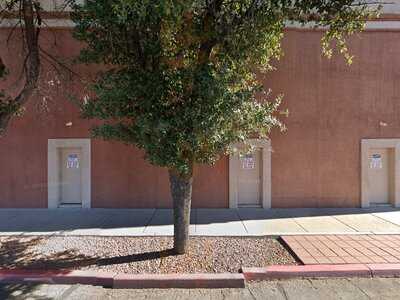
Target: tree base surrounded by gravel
[{"x": 141, "y": 254}]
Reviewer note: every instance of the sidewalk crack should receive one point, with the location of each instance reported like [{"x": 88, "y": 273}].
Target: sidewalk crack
[
  {"x": 360, "y": 289},
  {"x": 149, "y": 222},
  {"x": 252, "y": 293},
  {"x": 282, "y": 290},
  {"x": 340, "y": 221},
  {"x": 241, "y": 221},
  {"x": 301, "y": 226},
  {"x": 387, "y": 221},
  {"x": 68, "y": 292}
]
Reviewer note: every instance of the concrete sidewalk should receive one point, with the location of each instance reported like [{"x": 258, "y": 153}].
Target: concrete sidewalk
[
  {"x": 205, "y": 222},
  {"x": 306, "y": 289}
]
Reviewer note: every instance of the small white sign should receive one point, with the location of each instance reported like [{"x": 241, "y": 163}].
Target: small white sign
[
  {"x": 73, "y": 161},
  {"x": 376, "y": 161},
  {"x": 248, "y": 162}
]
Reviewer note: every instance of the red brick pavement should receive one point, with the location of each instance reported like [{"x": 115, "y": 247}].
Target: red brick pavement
[{"x": 345, "y": 249}]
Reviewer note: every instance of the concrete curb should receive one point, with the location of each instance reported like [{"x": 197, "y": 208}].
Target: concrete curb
[
  {"x": 313, "y": 271},
  {"x": 389, "y": 270},
  {"x": 57, "y": 277},
  {"x": 131, "y": 281},
  {"x": 221, "y": 280},
  {"x": 307, "y": 271}
]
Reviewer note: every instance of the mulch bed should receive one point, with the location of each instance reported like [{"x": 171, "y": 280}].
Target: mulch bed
[{"x": 141, "y": 254}]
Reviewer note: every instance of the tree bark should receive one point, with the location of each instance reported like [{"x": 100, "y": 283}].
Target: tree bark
[{"x": 181, "y": 191}]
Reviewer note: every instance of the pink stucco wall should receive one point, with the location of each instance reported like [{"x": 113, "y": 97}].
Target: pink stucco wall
[{"x": 316, "y": 163}]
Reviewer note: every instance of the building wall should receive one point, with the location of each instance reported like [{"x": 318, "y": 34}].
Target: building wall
[
  {"x": 120, "y": 175},
  {"x": 332, "y": 106},
  {"x": 316, "y": 163},
  {"x": 391, "y": 7}
]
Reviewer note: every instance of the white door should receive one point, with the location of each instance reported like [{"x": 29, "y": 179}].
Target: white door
[
  {"x": 380, "y": 175},
  {"x": 249, "y": 181},
  {"x": 70, "y": 176}
]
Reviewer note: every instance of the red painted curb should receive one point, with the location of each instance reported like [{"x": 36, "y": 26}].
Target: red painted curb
[
  {"x": 222, "y": 280},
  {"x": 21, "y": 276},
  {"x": 390, "y": 270},
  {"x": 85, "y": 277},
  {"x": 307, "y": 271},
  {"x": 57, "y": 277}
]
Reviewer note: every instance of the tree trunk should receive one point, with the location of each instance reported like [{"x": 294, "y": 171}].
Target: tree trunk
[{"x": 181, "y": 191}]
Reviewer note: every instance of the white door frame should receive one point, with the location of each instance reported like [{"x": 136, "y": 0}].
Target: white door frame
[
  {"x": 234, "y": 164},
  {"x": 366, "y": 145},
  {"x": 53, "y": 170}
]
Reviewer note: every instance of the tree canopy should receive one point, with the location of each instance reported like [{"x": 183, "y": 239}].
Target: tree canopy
[
  {"x": 180, "y": 76},
  {"x": 181, "y": 81}
]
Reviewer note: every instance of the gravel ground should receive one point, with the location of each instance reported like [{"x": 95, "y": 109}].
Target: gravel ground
[{"x": 140, "y": 254}]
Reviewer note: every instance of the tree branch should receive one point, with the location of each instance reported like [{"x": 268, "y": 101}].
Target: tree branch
[{"x": 31, "y": 66}]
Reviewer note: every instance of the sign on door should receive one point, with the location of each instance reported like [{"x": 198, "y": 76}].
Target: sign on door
[
  {"x": 375, "y": 161},
  {"x": 248, "y": 162},
  {"x": 72, "y": 161}
]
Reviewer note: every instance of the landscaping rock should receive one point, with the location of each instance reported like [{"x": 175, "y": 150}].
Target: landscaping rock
[{"x": 141, "y": 254}]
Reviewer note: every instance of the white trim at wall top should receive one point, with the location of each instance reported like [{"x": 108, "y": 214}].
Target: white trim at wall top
[
  {"x": 370, "y": 25},
  {"x": 52, "y": 23},
  {"x": 66, "y": 23}
]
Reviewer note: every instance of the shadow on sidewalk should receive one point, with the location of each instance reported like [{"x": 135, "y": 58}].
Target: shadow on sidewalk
[
  {"x": 135, "y": 257},
  {"x": 27, "y": 253},
  {"x": 94, "y": 220},
  {"x": 22, "y": 291}
]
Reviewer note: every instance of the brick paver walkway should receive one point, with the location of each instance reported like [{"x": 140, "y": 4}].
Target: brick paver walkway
[{"x": 345, "y": 249}]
